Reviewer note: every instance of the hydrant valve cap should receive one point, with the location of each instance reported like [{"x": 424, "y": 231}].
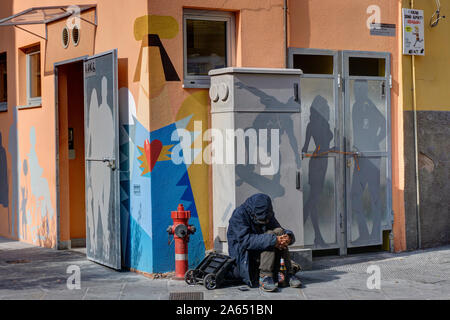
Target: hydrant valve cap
[{"x": 181, "y": 230}]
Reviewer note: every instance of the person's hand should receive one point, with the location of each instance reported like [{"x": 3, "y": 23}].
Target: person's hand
[
  {"x": 289, "y": 239},
  {"x": 282, "y": 241},
  {"x": 279, "y": 244}
]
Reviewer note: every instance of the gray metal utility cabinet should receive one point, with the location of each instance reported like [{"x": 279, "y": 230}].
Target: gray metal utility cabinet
[{"x": 254, "y": 105}]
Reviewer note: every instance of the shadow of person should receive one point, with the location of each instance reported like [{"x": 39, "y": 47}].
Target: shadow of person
[
  {"x": 4, "y": 192},
  {"x": 271, "y": 121},
  {"x": 369, "y": 129},
  {"x": 318, "y": 276},
  {"x": 319, "y": 130}
]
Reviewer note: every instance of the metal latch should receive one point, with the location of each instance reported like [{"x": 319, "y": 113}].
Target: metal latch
[
  {"x": 111, "y": 163},
  {"x": 298, "y": 181},
  {"x": 296, "y": 94}
]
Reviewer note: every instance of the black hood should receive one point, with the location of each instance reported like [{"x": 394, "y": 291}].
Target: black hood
[{"x": 259, "y": 206}]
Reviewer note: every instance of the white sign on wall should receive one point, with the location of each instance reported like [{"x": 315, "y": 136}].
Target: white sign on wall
[{"x": 413, "y": 32}]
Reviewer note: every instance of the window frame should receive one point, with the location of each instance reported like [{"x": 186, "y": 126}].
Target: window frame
[
  {"x": 200, "y": 81},
  {"x": 4, "y": 105},
  {"x": 36, "y": 101}
]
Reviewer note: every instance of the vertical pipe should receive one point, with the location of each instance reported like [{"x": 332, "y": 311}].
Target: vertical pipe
[
  {"x": 416, "y": 147},
  {"x": 286, "y": 58}
]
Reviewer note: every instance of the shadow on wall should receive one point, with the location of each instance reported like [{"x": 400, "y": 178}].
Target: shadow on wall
[{"x": 285, "y": 125}]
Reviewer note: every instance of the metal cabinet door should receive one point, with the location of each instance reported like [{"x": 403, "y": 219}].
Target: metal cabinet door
[
  {"x": 320, "y": 144},
  {"x": 102, "y": 154},
  {"x": 367, "y": 136}
]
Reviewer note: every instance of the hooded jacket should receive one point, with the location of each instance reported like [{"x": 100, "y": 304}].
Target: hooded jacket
[{"x": 247, "y": 237}]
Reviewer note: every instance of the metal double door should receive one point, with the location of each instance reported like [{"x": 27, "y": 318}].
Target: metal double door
[
  {"x": 101, "y": 118},
  {"x": 346, "y": 151}
]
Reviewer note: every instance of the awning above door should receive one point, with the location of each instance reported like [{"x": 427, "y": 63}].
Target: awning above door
[{"x": 43, "y": 15}]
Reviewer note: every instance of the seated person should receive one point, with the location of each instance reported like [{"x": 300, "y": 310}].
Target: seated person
[{"x": 257, "y": 241}]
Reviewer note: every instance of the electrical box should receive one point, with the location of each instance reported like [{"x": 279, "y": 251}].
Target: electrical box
[{"x": 255, "y": 144}]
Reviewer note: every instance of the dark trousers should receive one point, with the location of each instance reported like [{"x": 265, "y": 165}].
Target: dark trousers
[{"x": 269, "y": 264}]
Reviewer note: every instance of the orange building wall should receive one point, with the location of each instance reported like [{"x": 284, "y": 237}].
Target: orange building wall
[
  {"x": 325, "y": 24},
  {"x": 251, "y": 17},
  {"x": 115, "y": 30}
]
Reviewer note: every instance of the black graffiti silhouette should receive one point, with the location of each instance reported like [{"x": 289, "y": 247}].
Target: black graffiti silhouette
[
  {"x": 318, "y": 129},
  {"x": 369, "y": 129},
  {"x": 4, "y": 192},
  {"x": 270, "y": 121},
  {"x": 153, "y": 40}
]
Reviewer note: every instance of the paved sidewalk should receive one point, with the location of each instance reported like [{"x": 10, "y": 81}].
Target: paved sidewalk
[{"x": 28, "y": 272}]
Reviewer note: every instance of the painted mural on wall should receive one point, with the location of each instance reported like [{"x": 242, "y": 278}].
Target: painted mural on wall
[
  {"x": 146, "y": 146},
  {"x": 35, "y": 221},
  {"x": 26, "y": 202}
]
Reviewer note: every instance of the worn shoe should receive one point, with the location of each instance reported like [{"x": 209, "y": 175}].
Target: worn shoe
[
  {"x": 294, "y": 281},
  {"x": 267, "y": 284}
]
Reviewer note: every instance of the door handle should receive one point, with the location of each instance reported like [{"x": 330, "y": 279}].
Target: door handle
[
  {"x": 111, "y": 163},
  {"x": 296, "y": 95},
  {"x": 298, "y": 181}
]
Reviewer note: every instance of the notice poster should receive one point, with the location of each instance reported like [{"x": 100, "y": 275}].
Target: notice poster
[{"x": 413, "y": 32}]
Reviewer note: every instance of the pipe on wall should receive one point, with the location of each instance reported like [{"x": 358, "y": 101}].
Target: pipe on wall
[
  {"x": 285, "y": 18},
  {"x": 416, "y": 147}
]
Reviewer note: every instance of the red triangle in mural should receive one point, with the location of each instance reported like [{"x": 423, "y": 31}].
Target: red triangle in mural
[{"x": 152, "y": 152}]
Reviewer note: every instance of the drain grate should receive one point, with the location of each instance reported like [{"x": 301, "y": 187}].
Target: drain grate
[
  {"x": 17, "y": 261},
  {"x": 186, "y": 296}
]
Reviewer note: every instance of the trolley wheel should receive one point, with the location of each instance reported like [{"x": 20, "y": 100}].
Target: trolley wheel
[
  {"x": 189, "y": 277},
  {"x": 210, "y": 282}
]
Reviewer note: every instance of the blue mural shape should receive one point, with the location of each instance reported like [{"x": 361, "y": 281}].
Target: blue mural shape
[
  {"x": 136, "y": 218},
  {"x": 172, "y": 187},
  {"x": 147, "y": 200}
]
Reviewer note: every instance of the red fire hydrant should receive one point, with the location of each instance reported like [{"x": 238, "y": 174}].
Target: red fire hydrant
[{"x": 181, "y": 231}]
